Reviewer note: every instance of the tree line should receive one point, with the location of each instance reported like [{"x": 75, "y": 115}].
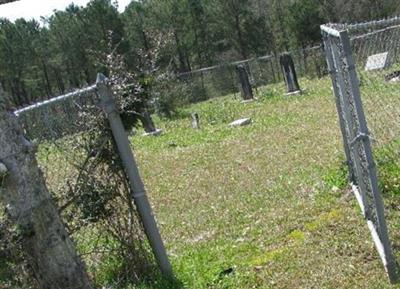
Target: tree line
[{"x": 66, "y": 50}]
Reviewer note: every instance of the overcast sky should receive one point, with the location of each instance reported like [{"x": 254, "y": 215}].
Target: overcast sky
[{"x": 35, "y": 8}]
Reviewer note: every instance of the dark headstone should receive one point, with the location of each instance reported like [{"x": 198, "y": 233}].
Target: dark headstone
[
  {"x": 147, "y": 122},
  {"x": 289, "y": 73},
  {"x": 245, "y": 86}
]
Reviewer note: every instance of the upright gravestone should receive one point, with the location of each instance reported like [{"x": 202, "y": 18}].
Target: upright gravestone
[
  {"x": 147, "y": 122},
  {"x": 377, "y": 61},
  {"x": 245, "y": 86},
  {"x": 195, "y": 120},
  {"x": 289, "y": 73}
]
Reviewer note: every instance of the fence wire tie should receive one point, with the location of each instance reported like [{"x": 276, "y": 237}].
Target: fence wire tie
[
  {"x": 359, "y": 137},
  {"x": 139, "y": 194},
  {"x": 332, "y": 71},
  {"x": 350, "y": 67}
]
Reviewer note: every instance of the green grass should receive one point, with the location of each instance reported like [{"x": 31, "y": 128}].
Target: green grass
[
  {"x": 268, "y": 202},
  {"x": 261, "y": 206}
]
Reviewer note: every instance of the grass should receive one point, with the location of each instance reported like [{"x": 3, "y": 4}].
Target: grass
[{"x": 262, "y": 206}]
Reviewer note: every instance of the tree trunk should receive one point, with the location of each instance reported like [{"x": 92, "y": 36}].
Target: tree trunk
[
  {"x": 243, "y": 50},
  {"x": 181, "y": 55},
  {"x": 50, "y": 251},
  {"x": 46, "y": 77},
  {"x": 59, "y": 79}
]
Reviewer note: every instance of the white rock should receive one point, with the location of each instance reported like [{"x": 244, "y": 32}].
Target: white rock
[
  {"x": 157, "y": 132},
  {"x": 241, "y": 122},
  {"x": 297, "y": 92},
  {"x": 248, "y": 100}
]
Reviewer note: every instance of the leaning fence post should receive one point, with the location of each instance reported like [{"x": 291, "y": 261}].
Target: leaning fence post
[
  {"x": 391, "y": 265},
  {"x": 336, "y": 92},
  {"x": 345, "y": 102},
  {"x": 132, "y": 172}
]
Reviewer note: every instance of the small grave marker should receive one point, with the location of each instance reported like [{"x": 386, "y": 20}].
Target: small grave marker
[
  {"x": 241, "y": 122},
  {"x": 195, "y": 120}
]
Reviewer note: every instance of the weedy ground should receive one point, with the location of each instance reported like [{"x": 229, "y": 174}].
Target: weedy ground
[{"x": 261, "y": 206}]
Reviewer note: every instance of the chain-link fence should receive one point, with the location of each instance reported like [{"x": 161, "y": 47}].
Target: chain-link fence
[
  {"x": 89, "y": 169},
  {"x": 364, "y": 65},
  {"x": 222, "y": 79}
]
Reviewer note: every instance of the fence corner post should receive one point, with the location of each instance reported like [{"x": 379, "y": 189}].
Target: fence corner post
[{"x": 132, "y": 172}]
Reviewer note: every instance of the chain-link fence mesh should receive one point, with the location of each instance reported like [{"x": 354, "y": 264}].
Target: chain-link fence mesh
[
  {"x": 83, "y": 171},
  {"x": 221, "y": 80},
  {"x": 365, "y": 74}
]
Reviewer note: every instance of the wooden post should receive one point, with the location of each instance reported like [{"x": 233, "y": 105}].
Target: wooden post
[{"x": 245, "y": 86}]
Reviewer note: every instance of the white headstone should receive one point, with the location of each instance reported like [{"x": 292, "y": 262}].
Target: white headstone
[
  {"x": 241, "y": 122},
  {"x": 377, "y": 61}
]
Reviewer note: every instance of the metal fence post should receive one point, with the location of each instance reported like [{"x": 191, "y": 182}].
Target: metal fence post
[
  {"x": 132, "y": 172},
  {"x": 349, "y": 125},
  {"x": 355, "y": 90},
  {"x": 333, "y": 72}
]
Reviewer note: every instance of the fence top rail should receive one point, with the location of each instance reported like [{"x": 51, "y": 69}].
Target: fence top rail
[
  {"x": 261, "y": 58},
  {"x": 334, "y": 29},
  {"x": 53, "y": 100},
  {"x": 374, "y": 24},
  {"x": 366, "y": 35},
  {"x": 205, "y": 69},
  {"x": 331, "y": 30}
]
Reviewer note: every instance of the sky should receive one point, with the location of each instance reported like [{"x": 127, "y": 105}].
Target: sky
[{"x": 29, "y": 9}]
